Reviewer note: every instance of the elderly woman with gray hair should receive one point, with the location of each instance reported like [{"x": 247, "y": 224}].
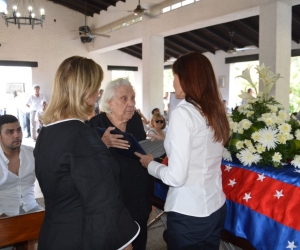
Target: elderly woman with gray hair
[{"x": 118, "y": 113}]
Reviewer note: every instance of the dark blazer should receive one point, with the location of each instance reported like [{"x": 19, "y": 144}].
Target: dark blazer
[
  {"x": 135, "y": 180},
  {"x": 80, "y": 182}
]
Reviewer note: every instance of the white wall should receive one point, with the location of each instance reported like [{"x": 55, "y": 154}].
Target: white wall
[
  {"x": 118, "y": 58},
  {"x": 53, "y": 43},
  {"x": 50, "y": 45}
]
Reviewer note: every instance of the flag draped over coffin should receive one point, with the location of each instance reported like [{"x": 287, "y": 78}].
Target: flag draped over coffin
[{"x": 263, "y": 205}]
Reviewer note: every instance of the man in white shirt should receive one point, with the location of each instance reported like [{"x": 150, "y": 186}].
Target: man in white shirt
[
  {"x": 17, "y": 176},
  {"x": 34, "y": 103}
]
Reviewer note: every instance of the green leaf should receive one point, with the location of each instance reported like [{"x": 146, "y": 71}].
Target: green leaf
[
  {"x": 235, "y": 137},
  {"x": 295, "y": 146},
  {"x": 254, "y": 128}
]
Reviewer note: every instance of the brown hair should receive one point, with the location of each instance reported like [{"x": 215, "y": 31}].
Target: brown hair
[
  {"x": 156, "y": 117},
  {"x": 76, "y": 79},
  {"x": 198, "y": 81}
]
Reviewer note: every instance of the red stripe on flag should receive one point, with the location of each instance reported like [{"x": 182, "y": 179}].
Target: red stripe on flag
[{"x": 285, "y": 209}]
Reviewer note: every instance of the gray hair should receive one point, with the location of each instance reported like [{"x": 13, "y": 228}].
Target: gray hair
[{"x": 110, "y": 93}]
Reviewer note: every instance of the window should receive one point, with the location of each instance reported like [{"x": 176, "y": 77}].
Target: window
[
  {"x": 115, "y": 74},
  {"x": 176, "y": 6},
  {"x": 167, "y": 9},
  {"x": 186, "y": 2}
]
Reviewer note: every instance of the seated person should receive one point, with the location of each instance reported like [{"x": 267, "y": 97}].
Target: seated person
[
  {"x": 158, "y": 123},
  {"x": 155, "y": 111},
  {"x": 227, "y": 110},
  {"x": 17, "y": 176}
]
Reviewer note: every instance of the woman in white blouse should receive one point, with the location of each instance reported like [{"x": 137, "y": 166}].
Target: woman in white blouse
[{"x": 197, "y": 131}]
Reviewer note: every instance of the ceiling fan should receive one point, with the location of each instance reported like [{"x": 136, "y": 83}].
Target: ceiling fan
[
  {"x": 139, "y": 10},
  {"x": 85, "y": 33},
  {"x": 232, "y": 49}
]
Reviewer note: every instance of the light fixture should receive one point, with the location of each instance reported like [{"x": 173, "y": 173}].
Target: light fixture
[
  {"x": 28, "y": 19},
  {"x": 231, "y": 49}
]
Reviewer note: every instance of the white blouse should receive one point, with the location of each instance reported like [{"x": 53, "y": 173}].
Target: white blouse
[{"x": 194, "y": 166}]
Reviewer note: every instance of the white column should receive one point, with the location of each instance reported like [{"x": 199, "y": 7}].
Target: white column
[
  {"x": 153, "y": 67},
  {"x": 275, "y": 45}
]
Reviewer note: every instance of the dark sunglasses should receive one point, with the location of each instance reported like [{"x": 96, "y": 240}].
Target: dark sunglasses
[{"x": 161, "y": 121}]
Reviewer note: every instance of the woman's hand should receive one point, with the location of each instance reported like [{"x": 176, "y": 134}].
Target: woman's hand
[
  {"x": 144, "y": 159},
  {"x": 113, "y": 140},
  {"x": 155, "y": 137}
]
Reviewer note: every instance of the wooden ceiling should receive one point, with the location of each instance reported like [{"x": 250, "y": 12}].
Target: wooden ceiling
[
  {"x": 209, "y": 39},
  {"x": 88, "y": 7}
]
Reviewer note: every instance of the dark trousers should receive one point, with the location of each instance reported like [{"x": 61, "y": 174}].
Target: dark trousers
[
  {"x": 27, "y": 122},
  {"x": 140, "y": 242},
  {"x": 195, "y": 233}
]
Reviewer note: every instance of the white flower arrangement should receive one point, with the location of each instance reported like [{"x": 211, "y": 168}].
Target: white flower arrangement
[{"x": 262, "y": 132}]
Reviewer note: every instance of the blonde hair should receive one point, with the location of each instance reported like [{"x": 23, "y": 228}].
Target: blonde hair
[
  {"x": 76, "y": 79},
  {"x": 156, "y": 117}
]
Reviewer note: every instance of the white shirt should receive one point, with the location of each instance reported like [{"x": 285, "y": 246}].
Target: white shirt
[
  {"x": 35, "y": 102},
  {"x": 16, "y": 191},
  {"x": 194, "y": 165}
]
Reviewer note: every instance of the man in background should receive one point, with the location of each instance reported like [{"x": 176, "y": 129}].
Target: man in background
[
  {"x": 17, "y": 171},
  {"x": 166, "y": 104},
  {"x": 250, "y": 92},
  {"x": 34, "y": 103},
  {"x": 24, "y": 113}
]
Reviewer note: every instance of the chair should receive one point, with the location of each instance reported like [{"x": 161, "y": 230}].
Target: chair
[{"x": 158, "y": 197}]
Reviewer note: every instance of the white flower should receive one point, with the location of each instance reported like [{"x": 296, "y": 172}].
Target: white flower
[
  {"x": 282, "y": 139},
  {"x": 234, "y": 126},
  {"x": 296, "y": 161},
  {"x": 260, "y": 148},
  {"x": 250, "y": 113},
  {"x": 272, "y": 108},
  {"x": 248, "y": 143},
  {"x": 239, "y": 145},
  {"x": 255, "y": 136},
  {"x": 226, "y": 155},
  {"x": 288, "y": 136},
  {"x": 297, "y": 134},
  {"x": 260, "y": 95},
  {"x": 245, "y": 124},
  {"x": 273, "y": 122},
  {"x": 276, "y": 157},
  {"x": 269, "y": 121},
  {"x": 252, "y": 149},
  {"x": 248, "y": 158},
  {"x": 285, "y": 128},
  {"x": 278, "y": 120},
  {"x": 283, "y": 115},
  {"x": 268, "y": 137},
  {"x": 241, "y": 131}
]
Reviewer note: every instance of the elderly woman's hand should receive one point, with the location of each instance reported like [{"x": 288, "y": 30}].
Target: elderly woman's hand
[
  {"x": 144, "y": 159},
  {"x": 114, "y": 140}
]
